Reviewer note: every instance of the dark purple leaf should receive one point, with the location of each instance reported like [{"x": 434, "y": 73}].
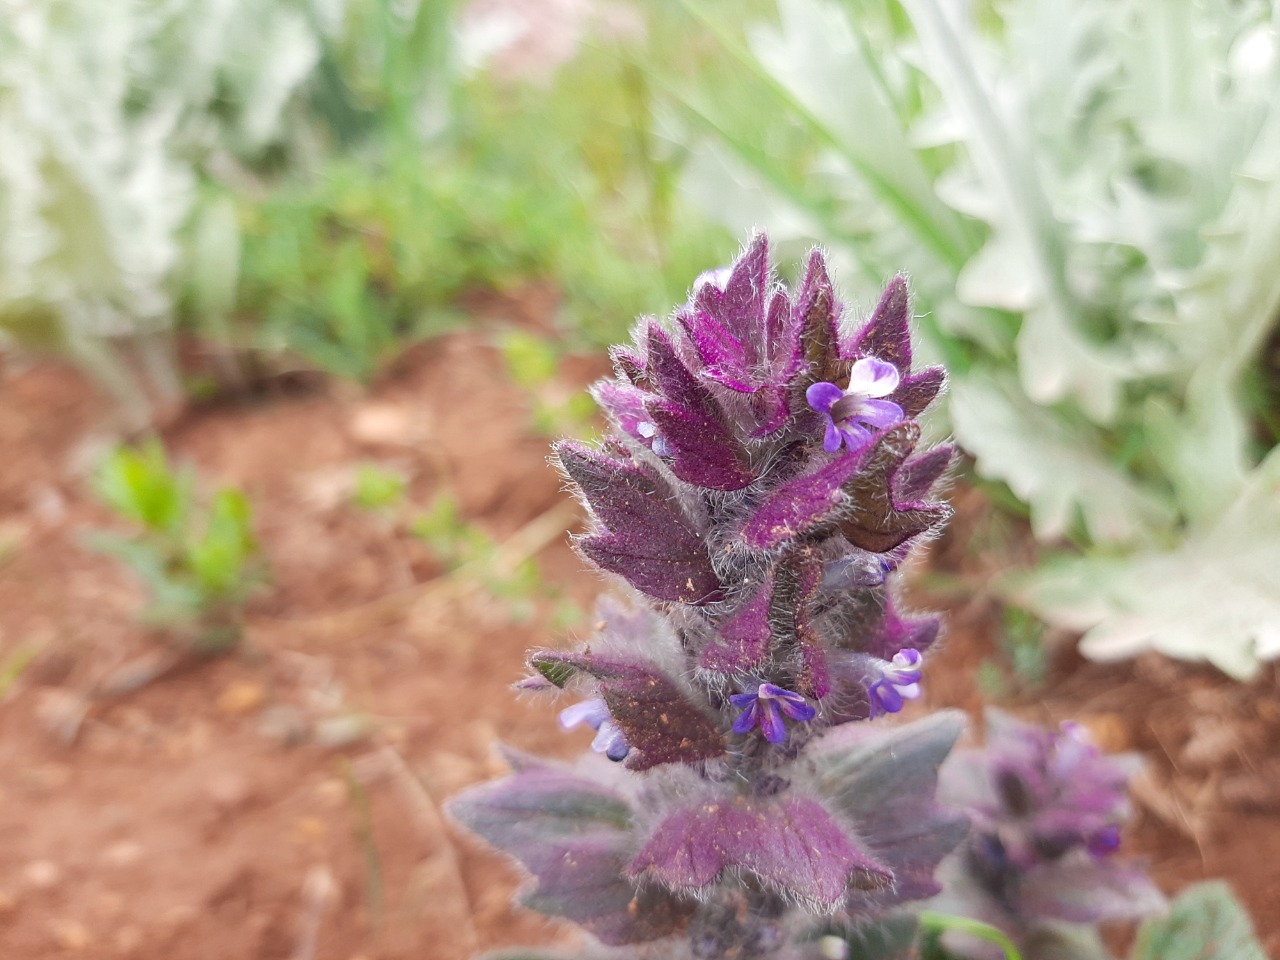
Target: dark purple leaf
[
  {"x": 792, "y": 844},
  {"x": 741, "y": 641},
  {"x": 917, "y": 391},
  {"x": 887, "y": 335},
  {"x": 746, "y": 346},
  {"x": 872, "y": 519},
  {"x": 799, "y": 579},
  {"x": 895, "y": 633},
  {"x": 771, "y": 408},
  {"x": 916, "y": 477},
  {"x": 803, "y": 505},
  {"x": 706, "y": 453},
  {"x": 573, "y": 835},
  {"x": 659, "y": 721},
  {"x": 782, "y": 337},
  {"x": 630, "y": 366},
  {"x": 648, "y": 540},
  {"x": 723, "y": 354},
  {"x": 742, "y": 307},
  {"x": 819, "y": 315}
]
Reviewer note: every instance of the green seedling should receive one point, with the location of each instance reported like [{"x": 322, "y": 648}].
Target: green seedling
[
  {"x": 449, "y": 538},
  {"x": 200, "y": 563},
  {"x": 378, "y": 489},
  {"x": 533, "y": 363}
]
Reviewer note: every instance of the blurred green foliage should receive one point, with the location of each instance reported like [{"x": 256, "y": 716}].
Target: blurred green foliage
[
  {"x": 534, "y": 364},
  {"x": 325, "y": 178},
  {"x": 200, "y": 563},
  {"x": 466, "y": 549},
  {"x": 439, "y": 184},
  {"x": 1087, "y": 199},
  {"x": 110, "y": 113}
]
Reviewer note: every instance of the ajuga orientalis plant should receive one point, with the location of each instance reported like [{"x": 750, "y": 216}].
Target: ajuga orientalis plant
[{"x": 762, "y": 484}]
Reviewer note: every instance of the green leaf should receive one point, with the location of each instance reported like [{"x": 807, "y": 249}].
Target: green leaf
[
  {"x": 1206, "y": 923},
  {"x": 789, "y": 66},
  {"x": 147, "y": 559},
  {"x": 557, "y": 671},
  {"x": 219, "y": 558},
  {"x": 942, "y": 922},
  {"x": 378, "y": 488},
  {"x": 532, "y": 361},
  {"x": 1216, "y": 597},
  {"x": 1055, "y": 466},
  {"x": 140, "y": 485}
]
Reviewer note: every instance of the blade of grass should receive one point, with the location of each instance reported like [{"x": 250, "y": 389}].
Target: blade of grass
[
  {"x": 935, "y": 226},
  {"x": 941, "y": 922},
  {"x": 374, "y": 887}
]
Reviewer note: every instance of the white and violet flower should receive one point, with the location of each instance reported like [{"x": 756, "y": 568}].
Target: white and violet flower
[{"x": 855, "y": 414}]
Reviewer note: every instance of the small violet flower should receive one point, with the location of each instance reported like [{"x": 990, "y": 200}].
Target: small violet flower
[
  {"x": 648, "y": 430},
  {"x": 1104, "y": 842},
  {"x": 852, "y": 414},
  {"x": 899, "y": 681},
  {"x": 609, "y": 740},
  {"x": 766, "y": 708}
]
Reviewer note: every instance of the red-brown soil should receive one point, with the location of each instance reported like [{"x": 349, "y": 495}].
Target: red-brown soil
[{"x": 284, "y": 802}]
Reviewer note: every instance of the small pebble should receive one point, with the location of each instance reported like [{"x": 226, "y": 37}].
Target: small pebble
[
  {"x": 240, "y": 697},
  {"x": 122, "y": 854},
  {"x": 284, "y": 724},
  {"x": 42, "y": 874},
  {"x": 342, "y": 731},
  {"x": 70, "y": 934},
  {"x": 229, "y": 792},
  {"x": 386, "y": 424}
]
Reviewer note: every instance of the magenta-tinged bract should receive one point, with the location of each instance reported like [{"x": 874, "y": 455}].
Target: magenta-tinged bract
[{"x": 762, "y": 483}]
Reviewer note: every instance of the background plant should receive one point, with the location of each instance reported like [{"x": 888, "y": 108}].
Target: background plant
[
  {"x": 442, "y": 179},
  {"x": 320, "y": 181},
  {"x": 1087, "y": 200},
  {"x": 108, "y": 113},
  {"x": 200, "y": 564}
]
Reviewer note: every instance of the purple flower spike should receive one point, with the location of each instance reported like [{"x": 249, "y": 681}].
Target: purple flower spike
[
  {"x": 762, "y": 561},
  {"x": 766, "y": 707},
  {"x": 899, "y": 682},
  {"x": 854, "y": 413},
  {"x": 610, "y": 740}
]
